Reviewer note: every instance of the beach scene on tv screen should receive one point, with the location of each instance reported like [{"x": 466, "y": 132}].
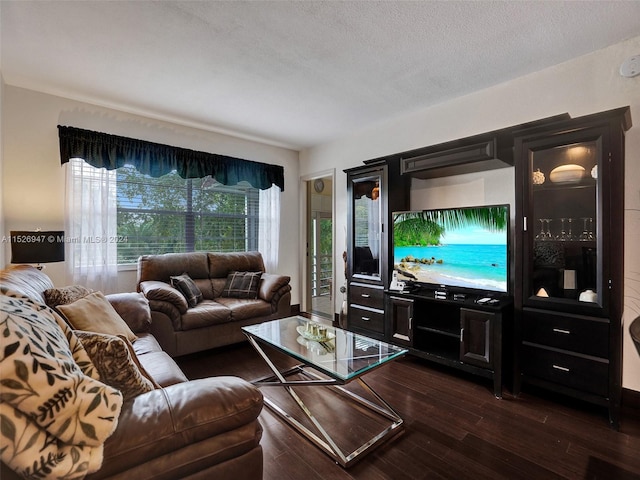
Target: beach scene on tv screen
[{"x": 458, "y": 248}]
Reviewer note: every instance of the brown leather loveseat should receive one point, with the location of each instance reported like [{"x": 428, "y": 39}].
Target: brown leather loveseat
[
  {"x": 199, "y": 429},
  {"x": 216, "y": 317}
]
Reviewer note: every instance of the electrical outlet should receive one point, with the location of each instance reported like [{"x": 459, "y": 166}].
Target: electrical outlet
[{"x": 630, "y": 67}]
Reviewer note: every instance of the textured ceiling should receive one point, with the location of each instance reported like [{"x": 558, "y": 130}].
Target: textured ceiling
[{"x": 294, "y": 73}]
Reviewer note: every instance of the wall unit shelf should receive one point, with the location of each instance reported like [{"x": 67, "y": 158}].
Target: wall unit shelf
[{"x": 486, "y": 151}]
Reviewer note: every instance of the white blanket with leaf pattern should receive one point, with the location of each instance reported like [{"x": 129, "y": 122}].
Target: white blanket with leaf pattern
[{"x": 55, "y": 414}]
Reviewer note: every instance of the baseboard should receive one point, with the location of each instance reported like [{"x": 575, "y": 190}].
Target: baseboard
[{"x": 295, "y": 309}]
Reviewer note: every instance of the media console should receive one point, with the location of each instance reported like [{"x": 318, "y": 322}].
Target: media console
[{"x": 458, "y": 330}]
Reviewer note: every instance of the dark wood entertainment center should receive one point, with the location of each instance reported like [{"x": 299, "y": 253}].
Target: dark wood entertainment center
[
  {"x": 561, "y": 321},
  {"x": 457, "y": 333}
]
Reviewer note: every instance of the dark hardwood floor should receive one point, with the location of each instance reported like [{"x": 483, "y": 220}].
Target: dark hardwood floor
[{"x": 454, "y": 428}]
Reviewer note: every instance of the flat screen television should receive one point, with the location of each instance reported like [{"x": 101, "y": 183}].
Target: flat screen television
[{"x": 459, "y": 249}]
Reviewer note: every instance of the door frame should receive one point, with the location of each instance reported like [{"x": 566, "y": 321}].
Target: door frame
[{"x": 305, "y": 218}]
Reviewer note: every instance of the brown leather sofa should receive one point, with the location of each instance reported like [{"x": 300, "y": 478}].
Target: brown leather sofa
[
  {"x": 216, "y": 320},
  {"x": 199, "y": 429}
]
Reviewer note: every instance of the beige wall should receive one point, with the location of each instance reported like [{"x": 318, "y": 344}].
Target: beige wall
[
  {"x": 585, "y": 85},
  {"x": 33, "y": 183}
]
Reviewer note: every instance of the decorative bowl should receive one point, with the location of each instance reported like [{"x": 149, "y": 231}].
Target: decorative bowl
[
  {"x": 316, "y": 338},
  {"x": 570, "y": 173},
  {"x": 314, "y": 347}
]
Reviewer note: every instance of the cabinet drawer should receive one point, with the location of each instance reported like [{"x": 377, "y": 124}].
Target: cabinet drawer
[
  {"x": 585, "y": 374},
  {"x": 366, "y": 319},
  {"x": 568, "y": 332},
  {"x": 368, "y": 296}
]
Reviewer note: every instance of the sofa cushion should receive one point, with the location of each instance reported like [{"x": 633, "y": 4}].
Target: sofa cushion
[
  {"x": 134, "y": 310},
  {"x": 161, "y": 267},
  {"x": 162, "y": 368},
  {"x": 185, "y": 417},
  {"x": 116, "y": 363},
  {"x": 94, "y": 313},
  {"x": 146, "y": 343},
  {"x": 222, "y": 264},
  {"x": 65, "y": 295},
  {"x": 245, "y": 308},
  {"x": 188, "y": 288},
  {"x": 205, "y": 314},
  {"x": 242, "y": 285}
]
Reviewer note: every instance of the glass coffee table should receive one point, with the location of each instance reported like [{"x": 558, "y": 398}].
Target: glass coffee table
[{"x": 329, "y": 357}]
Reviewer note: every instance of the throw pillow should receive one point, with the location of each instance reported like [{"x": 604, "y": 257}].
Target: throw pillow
[
  {"x": 188, "y": 288},
  {"x": 65, "y": 295},
  {"x": 115, "y": 363},
  {"x": 136, "y": 360},
  {"x": 55, "y": 418},
  {"x": 94, "y": 313},
  {"x": 242, "y": 285}
]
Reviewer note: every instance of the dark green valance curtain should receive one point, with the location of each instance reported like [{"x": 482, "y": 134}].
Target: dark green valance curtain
[{"x": 155, "y": 159}]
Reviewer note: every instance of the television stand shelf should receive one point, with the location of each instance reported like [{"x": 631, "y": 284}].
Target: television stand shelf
[{"x": 455, "y": 331}]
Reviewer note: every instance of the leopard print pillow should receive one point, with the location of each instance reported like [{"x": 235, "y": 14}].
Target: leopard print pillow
[{"x": 65, "y": 295}]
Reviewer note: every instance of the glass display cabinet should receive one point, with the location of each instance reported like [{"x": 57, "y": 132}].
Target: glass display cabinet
[
  {"x": 569, "y": 266},
  {"x": 367, "y": 234},
  {"x": 563, "y": 227},
  {"x": 374, "y": 191}
]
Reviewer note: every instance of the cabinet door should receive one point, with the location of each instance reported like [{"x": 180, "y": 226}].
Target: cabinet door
[
  {"x": 366, "y": 225},
  {"x": 401, "y": 312},
  {"x": 476, "y": 331},
  {"x": 566, "y": 234}
]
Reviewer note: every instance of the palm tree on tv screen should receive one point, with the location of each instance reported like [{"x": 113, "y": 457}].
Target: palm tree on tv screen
[{"x": 427, "y": 227}]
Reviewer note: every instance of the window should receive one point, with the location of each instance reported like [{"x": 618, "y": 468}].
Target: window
[{"x": 171, "y": 214}]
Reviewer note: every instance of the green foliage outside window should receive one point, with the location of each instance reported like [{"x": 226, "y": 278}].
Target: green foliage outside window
[{"x": 171, "y": 214}]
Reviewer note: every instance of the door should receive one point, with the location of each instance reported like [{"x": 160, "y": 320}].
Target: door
[
  {"x": 401, "y": 313},
  {"x": 320, "y": 250},
  {"x": 319, "y": 282},
  {"x": 475, "y": 337}
]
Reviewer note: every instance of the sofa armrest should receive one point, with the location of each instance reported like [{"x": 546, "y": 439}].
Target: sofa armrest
[
  {"x": 156, "y": 290},
  {"x": 167, "y": 420},
  {"x": 169, "y": 310},
  {"x": 134, "y": 310},
  {"x": 272, "y": 284}
]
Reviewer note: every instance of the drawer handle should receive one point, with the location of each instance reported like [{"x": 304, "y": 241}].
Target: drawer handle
[
  {"x": 366, "y": 319},
  {"x": 558, "y": 367},
  {"x": 365, "y": 295},
  {"x": 560, "y": 330}
]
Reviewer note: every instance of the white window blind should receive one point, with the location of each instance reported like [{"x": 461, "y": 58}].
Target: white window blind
[{"x": 171, "y": 214}]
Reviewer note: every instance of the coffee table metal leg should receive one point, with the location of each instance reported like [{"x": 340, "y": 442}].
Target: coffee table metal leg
[{"x": 325, "y": 442}]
